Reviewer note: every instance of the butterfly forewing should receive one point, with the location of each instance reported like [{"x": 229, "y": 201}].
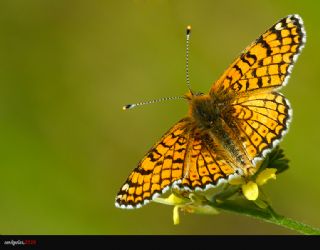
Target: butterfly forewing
[
  {"x": 161, "y": 166},
  {"x": 266, "y": 64}
]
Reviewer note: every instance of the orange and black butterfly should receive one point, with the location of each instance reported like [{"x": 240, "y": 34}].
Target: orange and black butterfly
[{"x": 228, "y": 130}]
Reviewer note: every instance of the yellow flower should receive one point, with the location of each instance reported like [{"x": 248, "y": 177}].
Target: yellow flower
[
  {"x": 197, "y": 203},
  {"x": 192, "y": 204},
  {"x": 265, "y": 175},
  {"x": 250, "y": 190},
  {"x": 172, "y": 199},
  {"x": 175, "y": 201},
  {"x": 236, "y": 181},
  {"x": 176, "y": 218}
]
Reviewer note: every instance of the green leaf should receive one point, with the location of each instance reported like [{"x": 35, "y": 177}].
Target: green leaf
[{"x": 275, "y": 159}]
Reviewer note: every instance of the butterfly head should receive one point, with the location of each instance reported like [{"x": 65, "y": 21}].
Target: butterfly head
[
  {"x": 203, "y": 109},
  {"x": 190, "y": 95}
]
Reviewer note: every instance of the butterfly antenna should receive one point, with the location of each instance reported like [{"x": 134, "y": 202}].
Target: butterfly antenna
[
  {"x": 131, "y": 106},
  {"x": 188, "y": 32}
]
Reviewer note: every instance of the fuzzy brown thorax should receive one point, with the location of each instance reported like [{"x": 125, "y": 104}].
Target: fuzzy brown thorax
[
  {"x": 212, "y": 116},
  {"x": 205, "y": 110}
]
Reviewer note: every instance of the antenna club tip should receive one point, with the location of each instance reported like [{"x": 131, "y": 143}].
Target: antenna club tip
[
  {"x": 188, "y": 29},
  {"x": 128, "y": 106}
]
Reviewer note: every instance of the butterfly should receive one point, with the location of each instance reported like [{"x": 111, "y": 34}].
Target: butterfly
[{"x": 230, "y": 129}]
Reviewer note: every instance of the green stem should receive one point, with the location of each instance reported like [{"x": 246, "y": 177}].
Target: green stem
[{"x": 268, "y": 215}]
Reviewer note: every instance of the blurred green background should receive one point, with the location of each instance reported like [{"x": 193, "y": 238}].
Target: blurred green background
[{"x": 66, "y": 146}]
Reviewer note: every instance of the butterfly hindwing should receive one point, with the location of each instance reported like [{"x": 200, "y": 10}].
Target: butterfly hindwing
[
  {"x": 260, "y": 120},
  {"x": 207, "y": 164}
]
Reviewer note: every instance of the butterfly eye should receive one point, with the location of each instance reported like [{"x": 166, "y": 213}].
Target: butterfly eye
[{"x": 199, "y": 94}]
